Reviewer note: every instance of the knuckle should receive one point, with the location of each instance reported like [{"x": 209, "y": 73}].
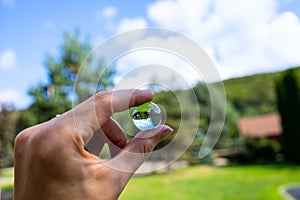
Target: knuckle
[
  {"x": 21, "y": 141},
  {"x": 21, "y": 138},
  {"x": 103, "y": 102},
  {"x": 148, "y": 145},
  {"x": 133, "y": 97},
  {"x": 103, "y": 96}
]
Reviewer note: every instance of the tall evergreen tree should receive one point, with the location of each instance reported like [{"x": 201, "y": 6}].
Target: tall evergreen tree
[
  {"x": 288, "y": 103},
  {"x": 6, "y": 134},
  {"x": 56, "y": 95}
]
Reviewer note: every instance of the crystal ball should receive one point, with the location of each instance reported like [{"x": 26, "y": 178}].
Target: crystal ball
[{"x": 147, "y": 116}]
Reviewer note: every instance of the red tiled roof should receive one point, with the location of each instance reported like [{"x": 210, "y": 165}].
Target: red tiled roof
[{"x": 260, "y": 126}]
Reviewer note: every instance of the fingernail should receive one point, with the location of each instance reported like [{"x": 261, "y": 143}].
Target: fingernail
[
  {"x": 166, "y": 132},
  {"x": 168, "y": 129}
]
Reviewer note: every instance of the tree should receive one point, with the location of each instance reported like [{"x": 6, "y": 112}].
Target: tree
[
  {"x": 23, "y": 120},
  {"x": 228, "y": 135},
  {"x": 229, "y": 130},
  {"x": 288, "y": 103},
  {"x": 6, "y": 134},
  {"x": 56, "y": 95}
]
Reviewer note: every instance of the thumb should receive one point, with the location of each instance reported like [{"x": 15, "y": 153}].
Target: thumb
[{"x": 139, "y": 149}]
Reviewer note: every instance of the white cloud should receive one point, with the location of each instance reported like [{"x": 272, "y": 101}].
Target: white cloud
[
  {"x": 108, "y": 12},
  {"x": 181, "y": 15},
  {"x": 243, "y": 36},
  {"x": 106, "y": 16},
  {"x": 162, "y": 67},
  {"x": 162, "y": 76},
  {"x": 268, "y": 47},
  {"x": 283, "y": 40},
  {"x": 12, "y": 96},
  {"x": 8, "y": 59},
  {"x": 128, "y": 24},
  {"x": 170, "y": 59}
]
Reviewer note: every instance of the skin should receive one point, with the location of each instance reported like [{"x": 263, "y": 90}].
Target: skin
[{"x": 51, "y": 161}]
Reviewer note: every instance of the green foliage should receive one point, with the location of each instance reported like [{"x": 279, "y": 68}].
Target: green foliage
[
  {"x": 145, "y": 106},
  {"x": 6, "y": 135},
  {"x": 181, "y": 113},
  {"x": 181, "y": 116},
  {"x": 288, "y": 102},
  {"x": 253, "y": 95},
  {"x": 256, "y": 150},
  {"x": 54, "y": 97},
  {"x": 11, "y": 122},
  {"x": 24, "y": 119},
  {"x": 206, "y": 123},
  {"x": 169, "y": 102}
]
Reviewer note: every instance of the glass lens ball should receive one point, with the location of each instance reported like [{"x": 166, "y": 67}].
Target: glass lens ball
[{"x": 147, "y": 116}]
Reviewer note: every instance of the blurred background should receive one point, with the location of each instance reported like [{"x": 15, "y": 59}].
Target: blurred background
[{"x": 255, "y": 44}]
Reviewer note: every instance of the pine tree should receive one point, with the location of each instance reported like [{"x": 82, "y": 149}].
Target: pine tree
[
  {"x": 288, "y": 103},
  {"x": 55, "y": 96}
]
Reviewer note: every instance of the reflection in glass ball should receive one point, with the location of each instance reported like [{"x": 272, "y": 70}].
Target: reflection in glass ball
[{"x": 146, "y": 116}]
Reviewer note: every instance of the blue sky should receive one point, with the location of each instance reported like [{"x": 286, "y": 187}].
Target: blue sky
[{"x": 244, "y": 37}]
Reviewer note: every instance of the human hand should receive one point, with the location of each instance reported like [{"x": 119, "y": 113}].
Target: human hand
[{"x": 52, "y": 163}]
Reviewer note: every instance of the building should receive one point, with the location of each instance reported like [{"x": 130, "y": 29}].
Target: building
[{"x": 263, "y": 126}]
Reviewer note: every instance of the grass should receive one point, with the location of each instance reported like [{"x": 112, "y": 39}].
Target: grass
[
  {"x": 6, "y": 178},
  {"x": 7, "y": 172},
  {"x": 204, "y": 182}
]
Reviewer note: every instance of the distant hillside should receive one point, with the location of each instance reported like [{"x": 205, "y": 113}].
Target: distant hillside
[{"x": 255, "y": 94}]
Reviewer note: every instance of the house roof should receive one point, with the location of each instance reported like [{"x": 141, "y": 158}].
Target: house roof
[{"x": 260, "y": 126}]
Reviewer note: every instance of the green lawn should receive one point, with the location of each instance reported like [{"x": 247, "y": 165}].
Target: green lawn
[
  {"x": 206, "y": 182},
  {"x": 6, "y": 178},
  {"x": 203, "y": 182}
]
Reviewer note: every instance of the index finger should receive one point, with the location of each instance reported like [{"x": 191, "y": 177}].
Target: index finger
[
  {"x": 93, "y": 113},
  {"x": 121, "y": 100}
]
